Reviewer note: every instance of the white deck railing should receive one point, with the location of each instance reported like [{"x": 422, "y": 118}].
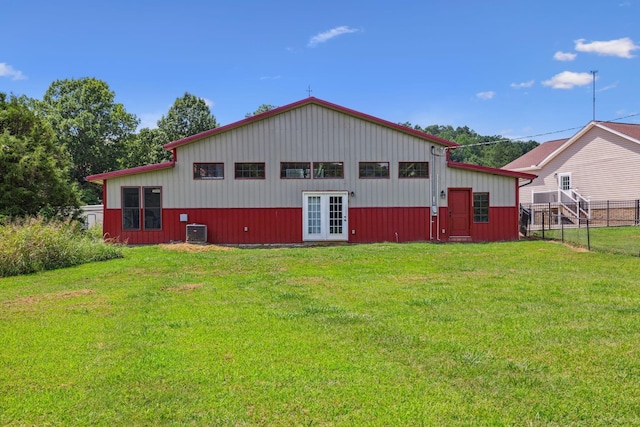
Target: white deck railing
[{"x": 574, "y": 203}]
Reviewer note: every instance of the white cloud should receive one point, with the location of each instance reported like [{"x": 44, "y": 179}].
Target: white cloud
[
  {"x": 485, "y": 95},
  {"x": 523, "y": 84},
  {"x": 270, "y": 77},
  {"x": 620, "y": 47},
  {"x": 7, "y": 70},
  {"x": 564, "y": 56},
  {"x": 328, "y": 35},
  {"x": 209, "y": 103},
  {"x": 568, "y": 79}
]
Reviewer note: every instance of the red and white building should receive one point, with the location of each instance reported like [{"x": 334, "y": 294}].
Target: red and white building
[{"x": 311, "y": 171}]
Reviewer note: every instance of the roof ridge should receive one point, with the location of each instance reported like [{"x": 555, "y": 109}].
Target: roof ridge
[{"x": 301, "y": 103}]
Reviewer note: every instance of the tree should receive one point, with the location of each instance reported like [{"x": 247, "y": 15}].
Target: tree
[
  {"x": 261, "y": 109},
  {"x": 91, "y": 126},
  {"x": 493, "y": 151},
  {"x": 145, "y": 148},
  {"x": 187, "y": 116},
  {"x": 35, "y": 167}
]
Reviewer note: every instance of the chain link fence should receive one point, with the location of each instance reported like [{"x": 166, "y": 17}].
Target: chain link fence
[{"x": 602, "y": 226}]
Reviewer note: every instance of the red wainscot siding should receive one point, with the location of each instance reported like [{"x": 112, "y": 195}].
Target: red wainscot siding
[
  {"x": 274, "y": 225},
  {"x": 395, "y": 224},
  {"x": 502, "y": 226},
  {"x": 284, "y": 225}
]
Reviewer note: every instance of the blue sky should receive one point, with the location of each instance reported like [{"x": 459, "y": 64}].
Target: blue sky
[{"x": 513, "y": 68}]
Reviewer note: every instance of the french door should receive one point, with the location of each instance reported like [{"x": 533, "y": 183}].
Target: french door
[{"x": 324, "y": 215}]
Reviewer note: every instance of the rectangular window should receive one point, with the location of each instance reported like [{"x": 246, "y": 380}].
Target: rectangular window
[
  {"x": 152, "y": 208},
  {"x": 289, "y": 170},
  {"x": 565, "y": 181},
  {"x": 374, "y": 169},
  {"x": 414, "y": 170},
  {"x": 313, "y": 215},
  {"x": 208, "y": 170},
  {"x": 328, "y": 170},
  {"x": 480, "y": 207},
  {"x": 130, "y": 208},
  {"x": 250, "y": 171}
]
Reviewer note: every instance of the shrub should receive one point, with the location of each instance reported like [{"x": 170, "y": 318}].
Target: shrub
[{"x": 32, "y": 245}]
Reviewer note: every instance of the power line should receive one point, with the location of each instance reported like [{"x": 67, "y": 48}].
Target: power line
[{"x": 528, "y": 138}]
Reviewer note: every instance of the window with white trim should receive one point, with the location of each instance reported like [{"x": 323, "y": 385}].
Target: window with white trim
[{"x": 565, "y": 181}]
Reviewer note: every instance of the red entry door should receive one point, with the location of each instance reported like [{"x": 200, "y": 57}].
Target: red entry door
[{"x": 460, "y": 212}]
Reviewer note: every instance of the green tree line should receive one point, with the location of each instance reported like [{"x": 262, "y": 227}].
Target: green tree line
[
  {"x": 49, "y": 146},
  {"x": 493, "y": 151}
]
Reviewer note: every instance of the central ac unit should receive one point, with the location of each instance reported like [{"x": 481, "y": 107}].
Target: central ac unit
[{"x": 196, "y": 233}]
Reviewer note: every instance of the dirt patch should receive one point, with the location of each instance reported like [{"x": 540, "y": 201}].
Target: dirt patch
[
  {"x": 54, "y": 296},
  {"x": 187, "y": 247},
  {"x": 185, "y": 288},
  {"x": 568, "y": 246}
]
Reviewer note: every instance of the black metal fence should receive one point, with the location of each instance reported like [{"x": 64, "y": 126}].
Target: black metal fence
[{"x": 608, "y": 226}]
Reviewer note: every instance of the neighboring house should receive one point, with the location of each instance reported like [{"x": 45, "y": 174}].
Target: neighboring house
[
  {"x": 311, "y": 171},
  {"x": 600, "y": 162}
]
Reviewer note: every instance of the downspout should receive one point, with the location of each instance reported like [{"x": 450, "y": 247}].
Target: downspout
[
  {"x": 437, "y": 195},
  {"x": 104, "y": 206},
  {"x": 518, "y": 187},
  {"x": 433, "y": 199},
  {"x": 524, "y": 185}
]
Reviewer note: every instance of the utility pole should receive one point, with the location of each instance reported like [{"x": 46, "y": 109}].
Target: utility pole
[{"x": 594, "y": 72}]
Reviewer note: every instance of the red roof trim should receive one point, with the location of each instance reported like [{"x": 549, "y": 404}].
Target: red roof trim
[
  {"x": 303, "y": 102},
  {"x": 132, "y": 171},
  {"x": 494, "y": 171}
]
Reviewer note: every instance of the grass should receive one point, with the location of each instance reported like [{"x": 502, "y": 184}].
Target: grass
[
  {"x": 34, "y": 244},
  {"x": 617, "y": 240},
  {"x": 522, "y": 333}
]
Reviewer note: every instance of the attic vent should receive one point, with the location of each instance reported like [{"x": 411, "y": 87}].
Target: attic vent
[{"x": 196, "y": 233}]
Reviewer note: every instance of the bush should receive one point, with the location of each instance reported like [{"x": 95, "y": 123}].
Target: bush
[{"x": 32, "y": 245}]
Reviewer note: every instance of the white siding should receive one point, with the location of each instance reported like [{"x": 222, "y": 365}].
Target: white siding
[{"x": 603, "y": 166}]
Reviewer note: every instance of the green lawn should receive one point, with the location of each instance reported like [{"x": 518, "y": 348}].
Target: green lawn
[
  {"x": 522, "y": 333},
  {"x": 619, "y": 240}
]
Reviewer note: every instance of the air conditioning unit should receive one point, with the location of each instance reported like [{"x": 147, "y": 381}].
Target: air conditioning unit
[{"x": 196, "y": 233}]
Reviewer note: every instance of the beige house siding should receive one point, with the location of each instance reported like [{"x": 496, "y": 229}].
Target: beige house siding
[{"x": 602, "y": 165}]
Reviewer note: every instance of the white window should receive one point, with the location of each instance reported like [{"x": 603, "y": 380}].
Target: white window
[{"x": 564, "y": 181}]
